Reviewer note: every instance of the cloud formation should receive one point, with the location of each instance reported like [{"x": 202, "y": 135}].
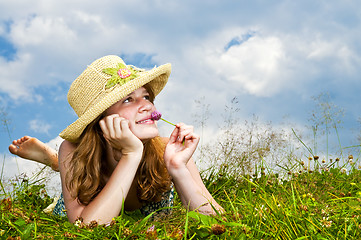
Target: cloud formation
[
  {"x": 39, "y": 126},
  {"x": 272, "y": 56}
]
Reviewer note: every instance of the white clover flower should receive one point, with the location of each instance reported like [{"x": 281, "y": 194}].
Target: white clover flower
[
  {"x": 78, "y": 223},
  {"x": 325, "y": 222}
]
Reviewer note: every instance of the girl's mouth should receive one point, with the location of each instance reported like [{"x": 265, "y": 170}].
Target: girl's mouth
[{"x": 145, "y": 121}]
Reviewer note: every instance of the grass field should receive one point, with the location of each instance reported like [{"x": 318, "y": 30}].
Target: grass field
[{"x": 305, "y": 204}]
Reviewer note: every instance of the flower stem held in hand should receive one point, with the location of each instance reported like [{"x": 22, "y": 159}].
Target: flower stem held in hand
[{"x": 156, "y": 115}]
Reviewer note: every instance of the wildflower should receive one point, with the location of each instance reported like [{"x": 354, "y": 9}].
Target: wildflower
[
  {"x": 93, "y": 224},
  {"x": 69, "y": 235},
  {"x": 156, "y": 115},
  {"x": 127, "y": 232},
  {"x": 302, "y": 163},
  {"x": 353, "y": 184},
  {"x": 325, "y": 223},
  {"x": 218, "y": 229},
  {"x": 316, "y": 157},
  {"x": 337, "y": 159},
  {"x": 323, "y": 160},
  {"x": 350, "y": 157},
  {"x": 151, "y": 232},
  {"x": 79, "y": 222},
  {"x": 310, "y": 158},
  {"x": 343, "y": 170}
]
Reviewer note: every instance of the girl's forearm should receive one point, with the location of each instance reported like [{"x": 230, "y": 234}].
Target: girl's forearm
[
  {"x": 109, "y": 202},
  {"x": 193, "y": 196}
]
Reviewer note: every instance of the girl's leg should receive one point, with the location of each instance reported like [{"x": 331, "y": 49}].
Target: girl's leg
[{"x": 33, "y": 149}]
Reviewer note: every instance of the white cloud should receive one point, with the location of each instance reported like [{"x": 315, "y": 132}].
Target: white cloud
[
  {"x": 270, "y": 63},
  {"x": 39, "y": 126},
  {"x": 257, "y": 65},
  {"x": 41, "y": 30},
  {"x": 13, "y": 77}
]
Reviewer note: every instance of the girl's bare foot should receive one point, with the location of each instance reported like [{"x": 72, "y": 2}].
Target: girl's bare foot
[{"x": 33, "y": 149}]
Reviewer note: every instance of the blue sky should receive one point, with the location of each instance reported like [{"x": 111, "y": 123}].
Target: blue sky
[{"x": 272, "y": 55}]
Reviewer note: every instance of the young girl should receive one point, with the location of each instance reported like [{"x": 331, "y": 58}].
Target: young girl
[{"x": 112, "y": 156}]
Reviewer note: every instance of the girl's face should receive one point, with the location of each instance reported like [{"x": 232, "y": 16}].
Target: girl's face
[{"x": 137, "y": 108}]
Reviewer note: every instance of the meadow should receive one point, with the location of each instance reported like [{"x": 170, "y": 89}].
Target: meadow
[
  {"x": 310, "y": 204},
  {"x": 269, "y": 188}
]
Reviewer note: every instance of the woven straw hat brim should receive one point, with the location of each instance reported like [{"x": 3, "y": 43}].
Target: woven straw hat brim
[{"x": 155, "y": 78}]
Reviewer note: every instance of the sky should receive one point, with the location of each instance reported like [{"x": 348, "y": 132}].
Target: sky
[{"x": 272, "y": 56}]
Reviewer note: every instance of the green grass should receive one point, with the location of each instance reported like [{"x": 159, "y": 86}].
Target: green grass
[{"x": 324, "y": 203}]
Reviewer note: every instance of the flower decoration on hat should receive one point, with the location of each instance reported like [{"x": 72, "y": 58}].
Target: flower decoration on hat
[{"x": 120, "y": 75}]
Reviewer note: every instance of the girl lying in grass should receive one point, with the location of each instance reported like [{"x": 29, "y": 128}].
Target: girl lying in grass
[{"x": 112, "y": 156}]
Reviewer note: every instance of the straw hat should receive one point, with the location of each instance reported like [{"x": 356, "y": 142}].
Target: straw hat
[{"x": 105, "y": 82}]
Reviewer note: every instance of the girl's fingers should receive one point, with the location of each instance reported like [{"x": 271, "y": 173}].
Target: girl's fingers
[
  {"x": 182, "y": 132},
  {"x": 124, "y": 124},
  {"x": 174, "y": 135},
  {"x": 116, "y": 126},
  {"x": 104, "y": 127},
  {"x": 185, "y": 132},
  {"x": 110, "y": 126}
]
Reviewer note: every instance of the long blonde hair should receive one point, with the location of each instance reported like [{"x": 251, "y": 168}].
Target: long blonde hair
[{"x": 152, "y": 175}]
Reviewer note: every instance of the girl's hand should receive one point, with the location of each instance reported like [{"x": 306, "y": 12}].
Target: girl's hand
[
  {"x": 180, "y": 148},
  {"x": 117, "y": 132}
]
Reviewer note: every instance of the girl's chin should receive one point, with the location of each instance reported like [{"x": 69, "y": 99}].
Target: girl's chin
[{"x": 144, "y": 137}]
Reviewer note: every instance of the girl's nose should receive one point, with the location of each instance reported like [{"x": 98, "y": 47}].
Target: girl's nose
[{"x": 145, "y": 105}]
